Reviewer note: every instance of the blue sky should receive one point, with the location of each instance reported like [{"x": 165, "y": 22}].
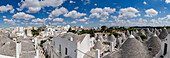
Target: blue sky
[{"x": 89, "y": 13}]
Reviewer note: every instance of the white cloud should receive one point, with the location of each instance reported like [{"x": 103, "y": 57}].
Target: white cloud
[
  {"x": 101, "y": 13},
  {"x": 10, "y": 21},
  {"x": 102, "y": 20},
  {"x": 86, "y": 1},
  {"x": 4, "y": 17},
  {"x": 22, "y": 15},
  {"x": 12, "y": 11},
  {"x": 105, "y": 9},
  {"x": 110, "y": 21},
  {"x": 115, "y": 17},
  {"x": 129, "y": 12},
  {"x": 34, "y": 6},
  {"x": 55, "y": 23},
  {"x": 76, "y": 7},
  {"x": 19, "y": 9},
  {"x": 153, "y": 21},
  {"x": 18, "y": 20},
  {"x": 72, "y": 1},
  {"x": 38, "y": 20},
  {"x": 5, "y": 8},
  {"x": 151, "y": 12},
  {"x": 52, "y": 3},
  {"x": 167, "y": 1},
  {"x": 96, "y": 10},
  {"x": 97, "y": 15},
  {"x": 73, "y": 22},
  {"x": 82, "y": 20},
  {"x": 58, "y": 12},
  {"x": 64, "y": 23},
  {"x": 86, "y": 23},
  {"x": 109, "y": 10},
  {"x": 142, "y": 20},
  {"x": 95, "y": 4},
  {"x": 74, "y": 14},
  {"x": 144, "y": 3},
  {"x": 58, "y": 19}
]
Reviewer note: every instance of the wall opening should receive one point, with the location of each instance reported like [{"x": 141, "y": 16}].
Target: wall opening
[
  {"x": 66, "y": 51},
  {"x": 165, "y": 48}
]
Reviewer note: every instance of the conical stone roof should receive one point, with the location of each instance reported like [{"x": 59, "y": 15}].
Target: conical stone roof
[
  {"x": 148, "y": 33},
  {"x": 131, "y": 48},
  {"x": 111, "y": 38},
  {"x": 163, "y": 34},
  {"x": 154, "y": 45},
  {"x": 99, "y": 38},
  {"x": 127, "y": 33},
  {"x": 98, "y": 45},
  {"x": 139, "y": 38}
]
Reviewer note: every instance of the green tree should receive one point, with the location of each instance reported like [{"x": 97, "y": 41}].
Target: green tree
[
  {"x": 143, "y": 37},
  {"x": 42, "y": 41},
  {"x": 104, "y": 28}
]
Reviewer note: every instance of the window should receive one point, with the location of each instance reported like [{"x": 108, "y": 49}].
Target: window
[
  {"x": 60, "y": 49},
  {"x": 66, "y": 51},
  {"x": 165, "y": 48},
  {"x": 54, "y": 44}
]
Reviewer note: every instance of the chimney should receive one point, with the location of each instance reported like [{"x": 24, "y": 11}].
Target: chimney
[
  {"x": 71, "y": 38},
  {"x": 120, "y": 41},
  {"x": 97, "y": 53},
  {"x": 111, "y": 47},
  {"x": 18, "y": 49},
  {"x": 35, "y": 43}
]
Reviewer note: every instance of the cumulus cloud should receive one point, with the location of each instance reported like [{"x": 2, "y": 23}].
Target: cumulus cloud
[
  {"x": 22, "y": 15},
  {"x": 38, "y": 20},
  {"x": 86, "y": 1},
  {"x": 97, "y": 15},
  {"x": 144, "y": 3},
  {"x": 73, "y": 22},
  {"x": 129, "y": 12},
  {"x": 86, "y": 23},
  {"x": 12, "y": 11},
  {"x": 95, "y": 4},
  {"x": 5, "y": 8},
  {"x": 142, "y": 20},
  {"x": 74, "y": 14},
  {"x": 58, "y": 19},
  {"x": 72, "y": 1},
  {"x": 114, "y": 17},
  {"x": 102, "y": 20},
  {"x": 153, "y": 20},
  {"x": 167, "y": 1},
  {"x": 82, "y": 20},
  {"x": 34, "y": 6},
  {"x": 151, "y": 12},
  {"x": 4, "y": 16},
  {"x": 58, "y": 12},
  {"x": 76, "y": 7},
  {"x": 101, "y": 13},
  {"x": 10, "y": 21}
]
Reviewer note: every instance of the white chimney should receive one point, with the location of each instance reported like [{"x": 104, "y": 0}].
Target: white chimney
[
  {"x": 71, "y": 38},
  {"x": 18, "y": 49},
  {"x": 35, "y": 43},
  {"x": 97, "y": 53},
  {"x": 111, "y": 47},
  {"x": 120, "y": 41}
]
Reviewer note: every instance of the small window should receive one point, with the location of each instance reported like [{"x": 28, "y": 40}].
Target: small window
[
  {"x": 60, "y": 48},
  {"x": 54, "y": 43},
  {"x": 66, "y": 51}
]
